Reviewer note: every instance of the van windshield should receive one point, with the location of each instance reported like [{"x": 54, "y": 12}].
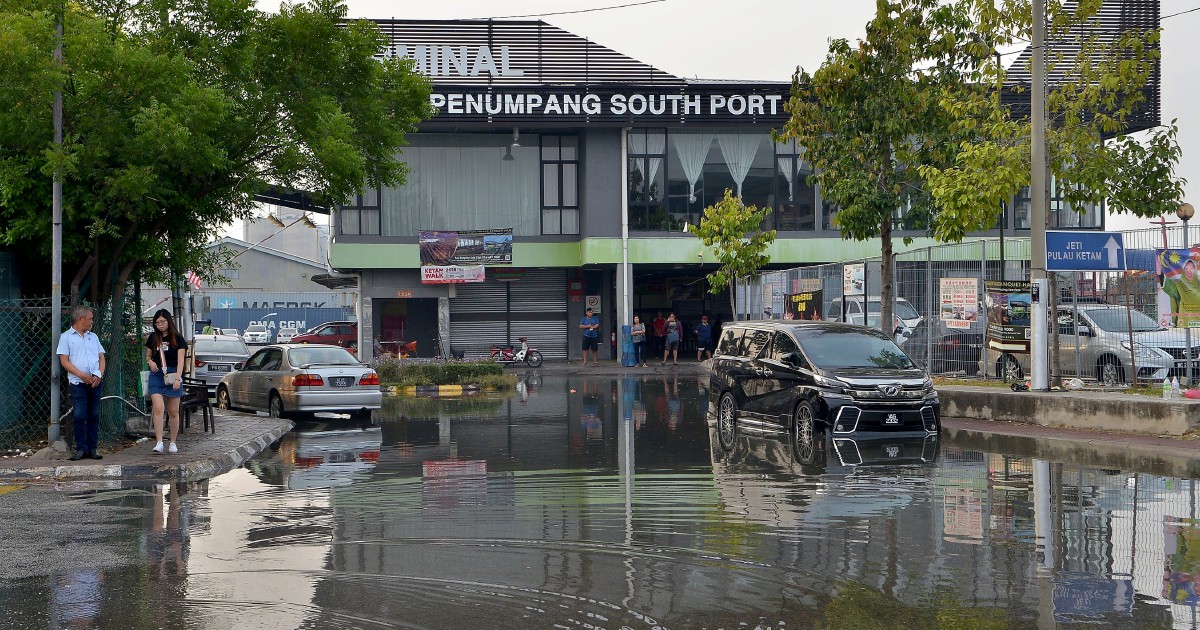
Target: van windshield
[
  {"x": 845, "y": 349},
  {"x": 903, "y": 310}
]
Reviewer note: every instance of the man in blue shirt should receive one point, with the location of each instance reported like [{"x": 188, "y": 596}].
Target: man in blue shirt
[
  {"x": 703, "y": 338},
  {"x": 590, "y": 325},
  {"x": 82, "y": 357}
]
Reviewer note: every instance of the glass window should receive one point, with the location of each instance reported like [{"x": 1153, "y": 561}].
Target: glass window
[
  {"x": 730, "y": 341},
  {"x": 360, "y": 214},
  {"x": 648, "y": 180},
  {"x": 560, "y": 185},
  {"x": 255, "y": 362},
  {"x": 796, "y": 197},
  {"x": 754, "y": 342},
  {"x": 783, "y": 345}
]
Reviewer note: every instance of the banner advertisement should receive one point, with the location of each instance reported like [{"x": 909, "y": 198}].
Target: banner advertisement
[
  {"x": 1007, "y": 304},
  {"x": 1179, "y": 287},
  {"x": 806, "y": 306},
  {"x": 854, "y": 279},
  {"x": 468, "y": 247},
  {"x": 959, "y": 302},
  {"x": 773, "y": 295},
  {"x": 451, "y": 274}
]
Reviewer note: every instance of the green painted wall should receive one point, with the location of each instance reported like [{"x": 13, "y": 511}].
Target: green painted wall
[{"x": 669, "y": 250}]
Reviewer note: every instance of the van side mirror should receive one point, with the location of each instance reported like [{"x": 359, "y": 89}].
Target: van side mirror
[{"x": 795, "y": 359}]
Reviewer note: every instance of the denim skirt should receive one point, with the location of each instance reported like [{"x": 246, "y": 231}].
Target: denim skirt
[{"x": 157, "y": 386}]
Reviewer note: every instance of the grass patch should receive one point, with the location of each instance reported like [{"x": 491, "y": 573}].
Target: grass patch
[
  {"x": 942, "y": 381},
  {"x": 483, "y": 373}
]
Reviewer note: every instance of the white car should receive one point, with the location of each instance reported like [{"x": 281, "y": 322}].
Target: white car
[
  {"x": 284, "y": 335},
  {"x": 256, "y": 335}
]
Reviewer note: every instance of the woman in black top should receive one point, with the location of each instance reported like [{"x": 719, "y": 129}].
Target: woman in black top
[{"x": 165, "y": 352}]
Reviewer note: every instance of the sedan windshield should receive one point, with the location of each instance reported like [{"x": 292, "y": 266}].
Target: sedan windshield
[
  {"x": 219, "y": 346},
  {"x": 256, "y": 329},
  {"x": 842, "y": 349},
  {"x": 320, "y": 356},
  {"x": 1116, "y": 320}
]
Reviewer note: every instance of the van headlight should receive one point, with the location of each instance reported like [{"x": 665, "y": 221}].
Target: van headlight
[
  {"x": 832, "y": 383},
  {"x": 1145, "y": 353}
]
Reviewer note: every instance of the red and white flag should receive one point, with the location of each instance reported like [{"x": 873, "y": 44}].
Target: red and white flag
[{"x": 194, "y": 279}]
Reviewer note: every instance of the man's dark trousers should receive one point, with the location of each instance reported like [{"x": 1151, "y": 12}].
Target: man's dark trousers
[{"x": 86, "y": 402}]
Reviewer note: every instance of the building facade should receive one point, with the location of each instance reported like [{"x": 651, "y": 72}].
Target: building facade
[{"x": 596, "y": 162}]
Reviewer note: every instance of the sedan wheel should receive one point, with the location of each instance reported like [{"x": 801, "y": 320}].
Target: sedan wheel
[
  {"x": 804, "y": 432},
  {"x": 276, "y": 407},
  {"x": 223, "y": 401},
  {"x": 1110, "y": 372},
  {"x": 726, "y": 420},
  {"x": 1010, "y": 369}
]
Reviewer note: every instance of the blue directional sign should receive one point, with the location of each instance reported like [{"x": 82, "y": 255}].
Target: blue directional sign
[{"x": 1085, "y": 251}]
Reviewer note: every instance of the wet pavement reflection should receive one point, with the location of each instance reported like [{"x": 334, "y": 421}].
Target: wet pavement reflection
[{"x": 604, "y": 503}]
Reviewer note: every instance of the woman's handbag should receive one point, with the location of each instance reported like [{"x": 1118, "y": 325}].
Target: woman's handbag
[{"x": 168, "y": 378}]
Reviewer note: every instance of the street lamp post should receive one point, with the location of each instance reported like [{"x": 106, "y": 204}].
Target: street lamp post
[{"x": 1185, "y": 213}]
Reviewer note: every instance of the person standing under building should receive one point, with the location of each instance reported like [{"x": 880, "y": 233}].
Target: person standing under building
[
  {"x": 165, "y": 352},
  {"x": 82, "y": 356},
  {"x": 658, "y": 328},
  {"x": 703, "y": 334},
  {"x": 638, "y": 332},
  {"x": 590, "y": 325},
  {"x": 672, "y": 340}
]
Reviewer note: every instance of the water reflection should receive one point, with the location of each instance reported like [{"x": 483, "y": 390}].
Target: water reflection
[{"x": 609, "y": 503}]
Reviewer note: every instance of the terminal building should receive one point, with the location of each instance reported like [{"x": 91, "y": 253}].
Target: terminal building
[{"x": 569, "y": 171}]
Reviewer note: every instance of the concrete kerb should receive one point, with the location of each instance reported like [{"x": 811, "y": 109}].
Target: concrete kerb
[{"x": 203, "y": 456}]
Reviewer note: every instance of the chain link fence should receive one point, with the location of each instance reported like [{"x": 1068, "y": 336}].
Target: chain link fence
[
  {"x": 953, "y": 317},
  {"x": 25, "y": 373}
]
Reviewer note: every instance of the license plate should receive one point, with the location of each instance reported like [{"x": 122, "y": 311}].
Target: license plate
[
  {"x": 341, "y": 381},
  {"x": 892, "y": 451},
  {"x": 218, "y": 368},
  {"x": 892, "y": 419}
]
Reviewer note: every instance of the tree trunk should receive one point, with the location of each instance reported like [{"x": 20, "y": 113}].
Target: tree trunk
[
  {"x": 733, "y": 299},
  {"x": 887, "y": 293}
]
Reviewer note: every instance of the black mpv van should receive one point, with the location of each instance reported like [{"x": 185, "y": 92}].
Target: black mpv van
[{"x": 808, "y": 379}]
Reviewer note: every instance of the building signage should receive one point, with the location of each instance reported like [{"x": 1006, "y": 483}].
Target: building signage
[
  {"x": 673, "y": 105},
  {"x": 451, "y": 274},
  {"x": 1008, "y": 310},
  {"x": 457, "y": 61},
  {"x": 475, "y": 247}
]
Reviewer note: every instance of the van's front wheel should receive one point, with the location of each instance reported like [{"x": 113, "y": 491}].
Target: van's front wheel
[
  {"x": 804, "y": 432},
  {"x": 726, "y": 420}
]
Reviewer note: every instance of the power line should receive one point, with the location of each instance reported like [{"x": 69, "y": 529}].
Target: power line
[{"x": 530, "y": 15}]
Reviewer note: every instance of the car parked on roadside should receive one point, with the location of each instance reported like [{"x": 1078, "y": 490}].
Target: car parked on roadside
[
  {"x": 285, "y": 335},
  {"x": 866, "y": 312},
  {"x": 952, "y": 350},
  {"x": 344, "y": 334},
  {"x": 815, "y": 381},
  {"x": 231, "y": 331},
  {"x": 1100, "y": 335},
  {"x": 214, "y": 356},
  {"x": 290, "y": 379},
  {"x": 256, "y": 335}
]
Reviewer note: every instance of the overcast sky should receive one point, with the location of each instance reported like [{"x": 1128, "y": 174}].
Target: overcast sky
[{"x": 767, "y": 39}]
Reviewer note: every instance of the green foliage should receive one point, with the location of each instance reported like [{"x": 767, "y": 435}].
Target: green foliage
[
  {"x": 733, "y": 232},
  {"x": 171, "y": 126},
  {"x": 482, "y": 373},
  {"x": 1093, "y": 94}
]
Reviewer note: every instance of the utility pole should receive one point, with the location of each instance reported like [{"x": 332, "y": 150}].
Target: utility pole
[
  {"x": 1041, "y": 297},
  {"x": 54, "y": 433}
]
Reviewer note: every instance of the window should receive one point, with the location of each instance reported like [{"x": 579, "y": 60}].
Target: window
[
  {"x": 795, "y": 208},
  {"x": 360, "y": 215},
  {"x": 783, "y": 345},
  {"x": 731, "y": 338},
  {"x": 560, "y": 185},
  {"x": 229, "y": 274},
  {"x": 648, "y": 180},
  {"x": 754, "y": 342}
]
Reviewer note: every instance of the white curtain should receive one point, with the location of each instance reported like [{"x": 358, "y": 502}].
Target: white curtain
[
  {"x": 462, "y": 182},
  {"x": 656, "y": 144},
  {"x": 739, "y": 150},
  {"x": 786, "y": 165},
  {"x": 693, "y": 150}
]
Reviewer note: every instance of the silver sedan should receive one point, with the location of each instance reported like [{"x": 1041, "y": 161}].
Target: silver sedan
[{"x": 289, "y": 379}]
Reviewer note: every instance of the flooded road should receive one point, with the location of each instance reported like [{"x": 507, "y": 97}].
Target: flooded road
[{"x": 604, "y": 503}]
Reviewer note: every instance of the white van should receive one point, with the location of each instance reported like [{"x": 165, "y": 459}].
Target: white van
[{"x": 907, "y": 317}]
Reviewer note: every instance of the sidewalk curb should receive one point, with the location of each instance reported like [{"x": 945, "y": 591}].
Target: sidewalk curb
[{"x": 201, "y": 468}]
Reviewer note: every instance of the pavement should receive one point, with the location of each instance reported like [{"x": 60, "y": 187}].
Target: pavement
[{"x": 201, "y": 455}]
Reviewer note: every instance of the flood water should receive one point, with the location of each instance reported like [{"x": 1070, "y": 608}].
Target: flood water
[{"x": 604, "y": 503}]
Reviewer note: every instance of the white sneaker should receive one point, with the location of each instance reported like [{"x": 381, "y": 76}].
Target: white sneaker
[
  {"x": 157, "y": 448},
  {"x": 172, "y": 449}
]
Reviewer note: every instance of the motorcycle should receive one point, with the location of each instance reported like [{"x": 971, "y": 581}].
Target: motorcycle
[{"x": 507, "y": 354}]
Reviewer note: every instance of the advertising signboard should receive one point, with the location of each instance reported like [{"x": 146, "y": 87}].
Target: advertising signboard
[
  {"x": 959, "y": 302},
  {"x": 1008, "y": 310},
  {"x": 805, "y": 306}
]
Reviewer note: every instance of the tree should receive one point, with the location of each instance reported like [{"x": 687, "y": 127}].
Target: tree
[
  {"x": 176, "y": 112},
  {"x": 1090, "y": 100},
  {"x": 733, "y": 231},
  {"x": 872, "y": 115}
]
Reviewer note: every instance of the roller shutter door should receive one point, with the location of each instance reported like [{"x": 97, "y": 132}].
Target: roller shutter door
[{"x": 534, "y": 306}]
